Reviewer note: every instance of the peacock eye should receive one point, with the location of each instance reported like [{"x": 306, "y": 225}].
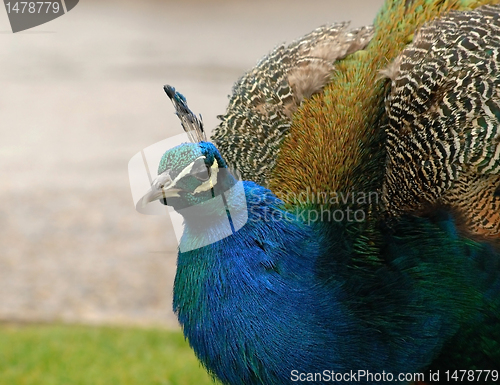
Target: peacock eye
[
  {"x": 201, "y": 171},
  {"x": 203, "y": 176}
]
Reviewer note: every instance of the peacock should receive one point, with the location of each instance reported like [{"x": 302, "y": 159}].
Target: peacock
[{"x": 362, "y": 244}]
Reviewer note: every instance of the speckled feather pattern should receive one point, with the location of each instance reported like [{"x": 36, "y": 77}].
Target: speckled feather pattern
[
  {"x": 443, "y": 136},
  {"x": 260, "y": 110}
]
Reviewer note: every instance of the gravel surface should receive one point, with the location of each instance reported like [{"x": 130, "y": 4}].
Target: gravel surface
[{"x": 79, "y": 97}]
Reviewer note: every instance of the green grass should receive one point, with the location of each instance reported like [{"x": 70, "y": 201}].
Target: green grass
[{"x": 78, "y": 355}]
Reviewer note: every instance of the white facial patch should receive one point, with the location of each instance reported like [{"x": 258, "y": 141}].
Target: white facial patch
[
  {"x": 205, "y": 186},
  {"x": 211, "y": 182},
  {"x": 186, "y": 171}
]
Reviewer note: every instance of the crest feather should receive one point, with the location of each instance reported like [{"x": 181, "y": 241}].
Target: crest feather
[{"x": 189, "y": 121}]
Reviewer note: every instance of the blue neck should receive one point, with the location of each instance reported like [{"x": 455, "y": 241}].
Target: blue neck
[
  {"x": 239, "y": 298},
  {"x": 264, "y": 272}
]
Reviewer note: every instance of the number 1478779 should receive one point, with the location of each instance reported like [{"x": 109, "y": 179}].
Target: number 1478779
[
  {"x": 471, "y": 375},
  {"x": 32, "y": 7}
]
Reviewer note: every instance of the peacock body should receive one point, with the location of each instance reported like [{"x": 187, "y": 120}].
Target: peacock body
[{"x": 414, "y": 283}]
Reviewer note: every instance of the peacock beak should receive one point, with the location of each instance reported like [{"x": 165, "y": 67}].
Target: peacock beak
[{"x": 161, "y": 188}]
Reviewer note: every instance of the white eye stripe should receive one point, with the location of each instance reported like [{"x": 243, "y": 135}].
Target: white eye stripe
[
  {"x": 186, "y": 171},
  {"x": 211, "y": 182},
  {"x": 204, "y": 186}
]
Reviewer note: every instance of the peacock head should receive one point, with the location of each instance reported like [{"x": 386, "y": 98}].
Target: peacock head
[
  {"x": 188, "y": 175},
  {"x": 191, "y": 173}
]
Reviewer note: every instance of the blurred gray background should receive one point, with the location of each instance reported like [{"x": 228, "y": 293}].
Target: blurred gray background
[{"x": 79, "y": 97}]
